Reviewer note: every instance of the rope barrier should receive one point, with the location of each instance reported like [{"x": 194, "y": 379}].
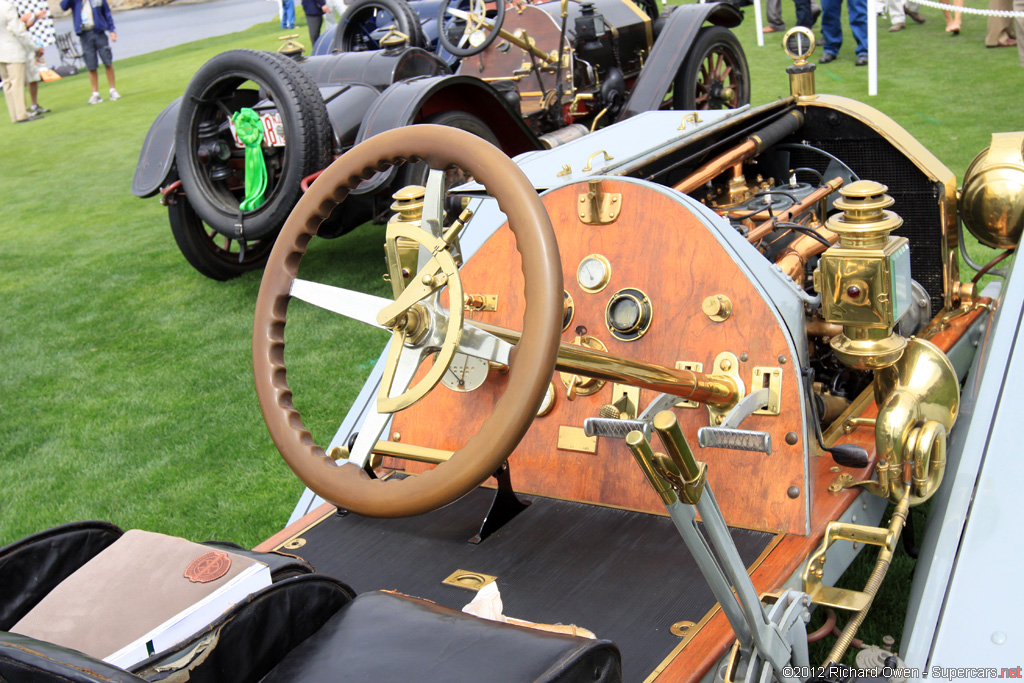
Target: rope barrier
[{"x": 971, "y": 10}]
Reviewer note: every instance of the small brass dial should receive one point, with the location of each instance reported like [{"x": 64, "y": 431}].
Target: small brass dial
[{"x": 594, "y": 273}]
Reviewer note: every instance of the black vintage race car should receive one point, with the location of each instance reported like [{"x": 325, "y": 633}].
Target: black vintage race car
[{"x": 530, "y": 77}]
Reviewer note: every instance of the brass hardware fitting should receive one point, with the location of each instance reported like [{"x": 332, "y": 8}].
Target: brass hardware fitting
[
  {"x": 692, "y": 118},
  {"x": 568, "y": 309},
  {"x": 864, "y": 281},
  {"x": 394, "y": 39},
  {"x": 596, "y": 207},
  {"x": 590, "y": 160},
  {"x": 408, "y": 208},
  {"x": 575, "y": 439},
  {"x": 851, "y": 423},
  {"x": 578, "y": 384},
  {"x": 473, "y": 581},
  {"x": 566, "y": 170},
  {"x": 717, "y": 307},
  {"x": 992, "y": 196},
  {"x": 726, "y": 365},
  {"x": 480, "y": 302},
  {"x": 770, "y": 379}
]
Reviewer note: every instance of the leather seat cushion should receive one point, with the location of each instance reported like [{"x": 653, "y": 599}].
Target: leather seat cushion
[{"x": 409, "y": 639}]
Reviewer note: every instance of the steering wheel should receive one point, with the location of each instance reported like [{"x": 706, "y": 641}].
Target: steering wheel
[
  {"x": 420, "y": 325},
  {"x": 464, "y": 32}
]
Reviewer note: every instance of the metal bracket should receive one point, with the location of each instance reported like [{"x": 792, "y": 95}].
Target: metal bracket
[
  {"x": 598, "y": 208},
  {"x": 842, "y": 598},
  {"x": 726, "y": 365},
  {"x": 692, "y": 366},
  {"x": 771, "y": 379}
]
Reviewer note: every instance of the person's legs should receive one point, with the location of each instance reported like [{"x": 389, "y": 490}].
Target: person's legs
[
  {"x": 858, "y": 13},
  {"x": 33, "y": 94},
  {"x": 804, "y": 15},
  {"x": 89, "y": 47},
  {"x": 896, "y": 13},
  {"x": 288, "y": 20},
  {"x": 13, "y": 75},
  {"x": 314, "y": 21},
  {"x": 999, "y": 30},
  {"x": 952, "y": 20},
  {"x": 831, "y": 26},
  {"x": 110, "y": 76},
  {"x": 773, "y": 12}
]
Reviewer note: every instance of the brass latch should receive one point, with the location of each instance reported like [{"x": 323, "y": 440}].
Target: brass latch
[{"x": 599, "y": 208}]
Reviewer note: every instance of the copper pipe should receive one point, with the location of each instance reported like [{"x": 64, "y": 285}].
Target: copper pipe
[
  {"x": 795, "y": 210},
  {"x": 830, "y": 623},
  {"x": 737, "y": 155},
  {"x": 793, "y": 258},
  {"x": 579, "y": 360}
]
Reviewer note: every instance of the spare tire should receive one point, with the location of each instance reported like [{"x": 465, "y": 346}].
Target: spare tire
[
  {"x": 211, "y": 163},
  {"x": 365, "y": 22}
]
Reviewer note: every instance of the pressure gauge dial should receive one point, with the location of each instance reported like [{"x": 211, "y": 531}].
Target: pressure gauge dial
[
  {"x": 593, "y": 273},
  {"x": 466, "y": 373}
]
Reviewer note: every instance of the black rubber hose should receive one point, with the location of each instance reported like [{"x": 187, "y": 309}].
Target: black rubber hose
[{"x": 776, "y": 131}]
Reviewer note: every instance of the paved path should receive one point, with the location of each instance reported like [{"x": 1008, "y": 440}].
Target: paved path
[{"x": 154, "y": 28}]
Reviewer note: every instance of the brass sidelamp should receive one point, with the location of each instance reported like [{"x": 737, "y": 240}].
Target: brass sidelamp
[{"x": 864, "y": 281}]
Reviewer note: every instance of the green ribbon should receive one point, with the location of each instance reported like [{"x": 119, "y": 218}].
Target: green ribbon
[{"x": 249, "y": 129}]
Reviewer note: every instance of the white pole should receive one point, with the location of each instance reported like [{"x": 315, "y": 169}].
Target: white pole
[
  {"x": 872, "y": 48},
  {"x": 757, "y": 23}
]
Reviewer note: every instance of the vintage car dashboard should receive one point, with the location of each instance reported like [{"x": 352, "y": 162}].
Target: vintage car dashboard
[{"x": 674, "y": 280}]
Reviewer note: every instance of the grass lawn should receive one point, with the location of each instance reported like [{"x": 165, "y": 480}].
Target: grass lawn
[{"x": 126, "y": 391}]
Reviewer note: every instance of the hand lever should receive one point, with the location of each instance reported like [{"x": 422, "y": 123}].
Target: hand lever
[{"x": 843, "y": 454}]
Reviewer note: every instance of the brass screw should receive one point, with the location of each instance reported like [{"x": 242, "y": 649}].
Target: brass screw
[
  {"x": 782, "y": 359},
  {"x": 725, "y": 365},
  {"x": 396, "y": 436}
]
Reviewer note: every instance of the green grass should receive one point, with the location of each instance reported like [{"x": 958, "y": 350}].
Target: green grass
[{"x": 126, "y": 390}]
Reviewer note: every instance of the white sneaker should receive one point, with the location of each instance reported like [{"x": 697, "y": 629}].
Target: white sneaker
[
  {"x": 95, "y": 98},
  {"x": 114, "y": 95}
]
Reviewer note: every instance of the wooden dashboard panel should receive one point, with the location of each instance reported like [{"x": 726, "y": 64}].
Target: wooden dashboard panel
[{"x": 658, "y": 246}]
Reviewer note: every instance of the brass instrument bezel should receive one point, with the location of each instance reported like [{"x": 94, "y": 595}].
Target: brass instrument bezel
[
  {"x": 568, "y": 310},
  {"x": 604, "y": 280},
  {"x": 643, "y": 301}
]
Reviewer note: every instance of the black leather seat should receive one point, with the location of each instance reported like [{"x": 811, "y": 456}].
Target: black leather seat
[{"x": 308, "y": 628}]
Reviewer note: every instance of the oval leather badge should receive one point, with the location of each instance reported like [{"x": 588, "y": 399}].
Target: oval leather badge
[{"x": 208, "y": 567}]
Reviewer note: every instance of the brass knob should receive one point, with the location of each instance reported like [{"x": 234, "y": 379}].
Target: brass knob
[{"x": 717, "y": 307}]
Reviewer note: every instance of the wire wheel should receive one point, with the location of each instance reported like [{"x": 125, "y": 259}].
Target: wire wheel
[
  {"x": 216, "y": 256},
  {"x": 714, "y": 74}
]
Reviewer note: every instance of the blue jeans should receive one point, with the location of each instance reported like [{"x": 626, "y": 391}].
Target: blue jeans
[
  {"x": 832, "y": 27},
  {"x": 287, "y": 13}
]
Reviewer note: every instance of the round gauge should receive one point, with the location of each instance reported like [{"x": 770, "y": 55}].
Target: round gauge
[
  {"x": 466, "y": 373},
  {"x": 628, "y": 314},
  {"x": 798, "y": 43},
  {"x": 594, "y": 273},
  {"x": 549, "y": 401}
]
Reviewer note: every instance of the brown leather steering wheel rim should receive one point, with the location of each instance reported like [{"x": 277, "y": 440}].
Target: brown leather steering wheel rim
[{"x": 531, "y": 364}]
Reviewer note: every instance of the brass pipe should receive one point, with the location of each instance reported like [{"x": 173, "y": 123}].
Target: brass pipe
[
  {"x": 793, "y": 259},
  {"x": 896, "y": 524},
  {"x": 797, "y": 209},
  {"x": 738, "y": 154},
  {"x": 578, "y": 360},
  {"x": 817, "y": 327}
]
